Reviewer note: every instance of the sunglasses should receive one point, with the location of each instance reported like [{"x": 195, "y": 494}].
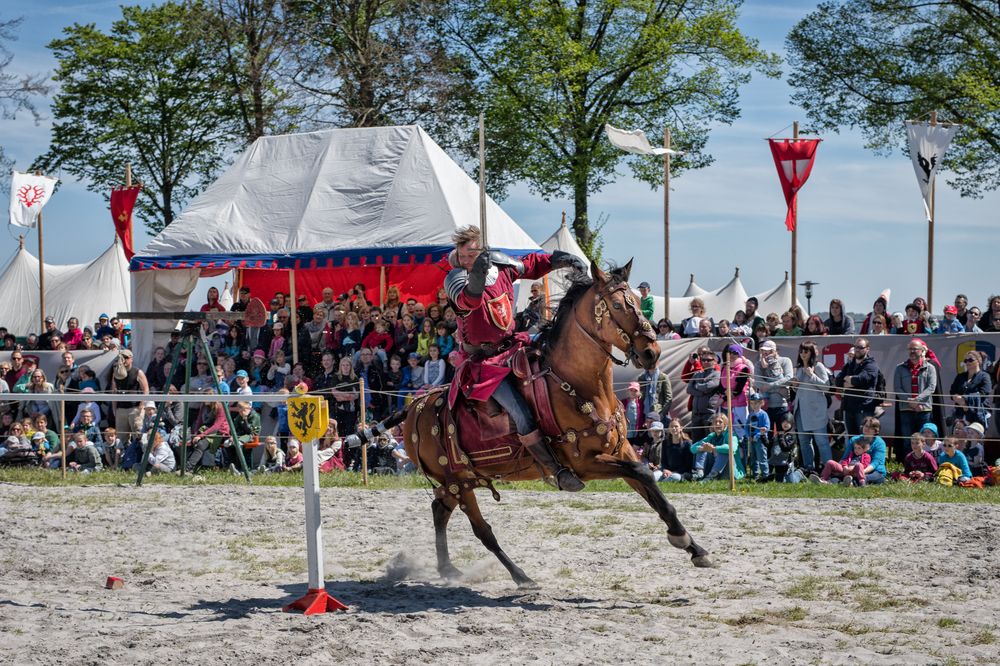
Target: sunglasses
[
  {"x": 971, "y": 360},
  {"x": 861, "y": 346}
]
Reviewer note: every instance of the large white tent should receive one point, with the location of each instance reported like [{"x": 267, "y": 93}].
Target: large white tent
[
  {"x": 693, "y": 289},
  {"x": 723, "y": 303},
  {"x": 562, "y": 239},
  {"x": 83, "y": 290},
  {"x": 369, "y": 204}
]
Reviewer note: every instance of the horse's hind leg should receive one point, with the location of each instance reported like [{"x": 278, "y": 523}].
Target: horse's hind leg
[
  {"x": 484, "y": 533},
  {"x": 640, "y": 478},
  {"x": 442, "y": 509}
]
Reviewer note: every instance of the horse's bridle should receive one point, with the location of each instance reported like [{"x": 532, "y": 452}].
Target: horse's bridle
[{"x": 602, "y": 310}]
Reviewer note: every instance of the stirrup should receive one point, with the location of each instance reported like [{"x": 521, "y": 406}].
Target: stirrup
[{"x": 567, "y": 480}]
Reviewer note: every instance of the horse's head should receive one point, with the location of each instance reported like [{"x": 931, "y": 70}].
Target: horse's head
[{"x": 617, "y": 319}]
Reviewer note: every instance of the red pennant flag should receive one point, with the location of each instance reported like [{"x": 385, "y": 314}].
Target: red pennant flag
[
  {"x": 794, "y": 159},
  {"x": 122, "y": 203}
]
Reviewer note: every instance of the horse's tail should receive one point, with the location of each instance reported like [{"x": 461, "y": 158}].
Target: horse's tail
[{"x": 366, "y": 435}]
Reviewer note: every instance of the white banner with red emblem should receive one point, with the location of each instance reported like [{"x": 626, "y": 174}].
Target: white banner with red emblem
[
  {"x": 928, "y": 144},
  {"x": 28, "y": 194}
]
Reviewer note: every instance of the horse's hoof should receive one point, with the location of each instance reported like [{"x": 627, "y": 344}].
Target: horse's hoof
[
  {"x": 528, "y": 585},
  {"x": 450, "y": 572},
  {"x": 702, "y": 562}
]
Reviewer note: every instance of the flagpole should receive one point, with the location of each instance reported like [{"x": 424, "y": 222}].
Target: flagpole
[
  {"x": 128, "y": 185},
  {"x": 795, "y": 230},
  {"x": 41, "y": 269},
  {"x": 666, "y": 223},
  {"x": 930, "y": 236}
]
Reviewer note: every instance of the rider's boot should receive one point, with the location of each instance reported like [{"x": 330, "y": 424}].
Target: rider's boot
[{"x": 565, "y": 478}]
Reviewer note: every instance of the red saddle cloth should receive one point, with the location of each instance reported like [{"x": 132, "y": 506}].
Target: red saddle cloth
[{"x": 478, "y": 434}]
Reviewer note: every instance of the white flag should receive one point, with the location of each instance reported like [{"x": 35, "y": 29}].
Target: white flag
[
  {"x": 928, "y": 144},
  {"x": 28, "y": 193},
  {"x": 635, "y": 142}
]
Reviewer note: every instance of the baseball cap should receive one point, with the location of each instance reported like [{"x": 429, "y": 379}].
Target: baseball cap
[
  {"x": 634, "y": 386},
  {"x": 50, "y": 320},
  {"x": 950, "y": 309},
  {"x": 656, "y": 425},
  {"x": 103, "y": 315},
  {"x": 38, "y": 435},
  {"x": 769, "y": 345},
  {"x": 975, "y": 427},
  {"x": 149, "y": 404},
  {"x": 242, "y": 373},
  {"x": 756, "y": 396},
  {"x": 643, "y": 285},
  {"x": 414, "y": 355},
  {"x": 259, "y": 353}
]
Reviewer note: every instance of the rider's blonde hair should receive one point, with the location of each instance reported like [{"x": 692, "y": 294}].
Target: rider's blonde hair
[{"x": 466, "y": 234}]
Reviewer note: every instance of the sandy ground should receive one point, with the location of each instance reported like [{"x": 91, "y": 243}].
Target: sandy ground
[{"x": 208, "y": 568}]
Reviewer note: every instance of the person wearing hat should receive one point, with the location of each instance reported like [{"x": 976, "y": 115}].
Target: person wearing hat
[
  {"x": 633, "y": 410},
  {"x": 879, "y": 307},
  {"x": 242, "y": 383},
  {"x": 45, "y": 338},
  {"x": 974, "y": 451},
  {"x": 950, "y": 324},
  {"x": 103, "y": 327},
  {"x": 658, "y": 461},
  {"x": 242, "y": 300},
  {"x": 773, "y": 376},
  {"x": 759, "y": 432},
  {"x": 129, "y": 380},
  {"x": 645, "y": 301}
]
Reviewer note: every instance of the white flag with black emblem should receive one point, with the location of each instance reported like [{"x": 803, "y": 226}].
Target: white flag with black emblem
[{"x": 928, "y": 144}]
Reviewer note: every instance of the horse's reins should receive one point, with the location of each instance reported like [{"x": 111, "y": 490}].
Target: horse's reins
[{"x": 601, "y": 309}]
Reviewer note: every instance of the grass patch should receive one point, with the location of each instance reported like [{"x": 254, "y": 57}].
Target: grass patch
[
  {"x": 946, "y": 622},
  {"x": 806, "y": 588},
  {"x": 917, "y": 492},
  {"x": 852, "y": 629},
  {"x": 793, "y": 614},
  {"x": 984, "y": 637}
]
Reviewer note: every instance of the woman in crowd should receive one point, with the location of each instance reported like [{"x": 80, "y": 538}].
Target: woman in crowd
[
  {"x": 351, "y": 335},
  {"x": 814, "y": 326},
  {"x": 393, "y": 301},
  {"x": 875, "y": 471},
  {"x": 425, "y": 337},
  {"x": 213, "y": 304},
  {"x": 811, "y": 381},
  {"x": 345, "y": 406},
  {"x": 434, "y": 313},
  {"x": 73, "y": 335},
  {"x": 235, "y": 341},
  {"x": 212, "y": 429},
  {"x": 839, "y": 323},
  {"x": 879, "y": 325},
  {"x": 689, "y": 327},
  {"x": 154, "y": 371},
  {"x": 715, "y": 447},
  {"x": 665, "y": 330},
  {"x": 878, "y": 308},
  {"x": 990, "y": 320},
  {"x": 972, "y": 389},
  {"x": 38, "y": 383}
]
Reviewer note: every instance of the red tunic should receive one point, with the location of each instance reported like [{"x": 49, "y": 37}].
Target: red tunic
[{"x": 490, "y": 320}]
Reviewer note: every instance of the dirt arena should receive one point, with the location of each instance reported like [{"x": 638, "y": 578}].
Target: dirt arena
[{"x": 208, "y": 568}]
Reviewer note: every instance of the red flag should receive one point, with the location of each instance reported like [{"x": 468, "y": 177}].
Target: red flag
[
  {"x": 794, "y": 159},
  {"x": 122, "y": 203}
]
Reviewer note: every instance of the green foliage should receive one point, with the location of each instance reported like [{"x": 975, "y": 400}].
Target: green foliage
[
  {"x": 871, "y": 64},
  {"x": 147, "y": 92},
  {"x": 554, "y": 73}
]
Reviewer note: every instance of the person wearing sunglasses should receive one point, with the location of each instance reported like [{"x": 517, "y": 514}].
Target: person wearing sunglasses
[
  {"x": 971, "y": 390},
  {"x": 953, "y": 467},
  {"x": 857, "y": 379}
]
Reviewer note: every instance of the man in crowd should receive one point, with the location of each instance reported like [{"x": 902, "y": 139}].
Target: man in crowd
[
  {"x": 774, "y": 373},
  {"x": 656, "y": 394},
  {"x": 704, "y": 383},
  {"x": 45, "y": 339},
  {"x": 914, "y": 382},
  {"x": 127, "y": 379},
  {"x": 858, "y": 378}
]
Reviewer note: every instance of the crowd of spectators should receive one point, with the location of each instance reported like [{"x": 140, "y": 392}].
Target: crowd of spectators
[{"x": 403, "y": 347}]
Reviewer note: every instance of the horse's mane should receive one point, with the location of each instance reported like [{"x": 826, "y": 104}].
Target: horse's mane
[{"x": 579, "y": 283}]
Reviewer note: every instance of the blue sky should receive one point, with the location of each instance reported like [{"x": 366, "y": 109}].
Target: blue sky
[{"x": 862, "y": 225}]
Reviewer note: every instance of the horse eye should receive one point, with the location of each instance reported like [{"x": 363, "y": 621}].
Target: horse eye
[{"x": 617, "y": 305}]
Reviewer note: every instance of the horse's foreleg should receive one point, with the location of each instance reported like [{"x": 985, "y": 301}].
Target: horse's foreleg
[
  {"x": 640, "y": 478},
  {"x": 484, "y": 533},
  {"x": 442, "y": 509}
]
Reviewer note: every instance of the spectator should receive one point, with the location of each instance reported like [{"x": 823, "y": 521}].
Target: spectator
[
  {"x": 330, "y": 452},
  {"x": 895, "y": 324},
  {"x": 773, "y": 323},
  {"x": 789, "y": 327},
  {"x": 17, "y": 370},
  {"x": 114, "y": 449},
  {"x": 161, "y": 456},
  {"x": 961, "y": 310},
  {"x": 973, "y": 449},
  {"x": 814, "y": 326},
  {"x": 657, "y": 394},
  {"x": 676, "y": 455},
  {"x": 128, "y": 380},
  {"x": 722, "y": 329},
  {"x": 294, "y": 460},
  {"x": 714, "y": 448},
  {"x": 413, "y": 376},
  {"x": 919, "y": 464},
  {"x": 990, "y": 321},
  {"x": 774, "y": 374},
  {"x": 953, "y": 467},
  {"x": 213, "y": 431},
  {"x": 84, "y": 457},
  {"x": 73, "y": 335},
  {"x": 875, "y": 470},
  {"x": 425, "y": 337},
  {"x": 931, "y": 442},
  {"x": 246, "y": 424},
  {"x": 155, "y": 375},
  {"x": 740, "y": 325},
  {"x": 858, "y": 378},
  {"x": 345, "y": 396},
  {"x": 914, "y": 324},
  {"x": 273, "y": 458},
  {"x": 444, "y": 340},
  {"x": 88, "y": 426},
  {"x": 971, "y": 391},
  {"x": 665, "y": 330},
  {"x": 705, "y": 329},
  {"x": 38, "y": 384},
  {"x": 633, "y": 410},
  {"x": 690, "y": 326},
  {"x": 103, "y": 327},
  {"x": 759, "y": 435},
  {"x": 974, "y": 316},
  {"x": 393, "y": 301},
  {"x": 370, "y": 368},
  {"x": 914, "y": 383},
  {"x": 45, "y": 339},
  {"x": 434, "y": 368},
  {"x": 279, "y": 369},
  {"x": 850, "y": 469},
  {"x": 734, "y": 379},
  {"x": 242, "y": 300},
  {"x": 950, "y": 324},
  {"x": 41, "y": 427},
  {"x": 213, "y": 304},
  {"x": 839, "y": 323},
  {"x": 645, "y": 301},
  {"x": 811, "y": 383},
  {"x": 753, "y": 320},
  {"x": 782, "y": 459},
  {"x": 393, "y": 383},
  {"x": 703, "y": 385},
  {"x": 878, "y": 308}
]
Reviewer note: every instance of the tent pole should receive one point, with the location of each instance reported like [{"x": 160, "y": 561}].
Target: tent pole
[
  {"x": 293, "y": 316},
  {"x": 41, "y": 272},
  {"x": 381, "y": 287}
]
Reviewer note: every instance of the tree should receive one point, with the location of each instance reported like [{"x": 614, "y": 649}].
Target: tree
[
  {"x": 367, "y": 63},
  {"x": 871, "y": 64},
  {"x": 17, "y": 92},
  {"x": 145, "y": 93},
  {"x": 553, "y": 73}
]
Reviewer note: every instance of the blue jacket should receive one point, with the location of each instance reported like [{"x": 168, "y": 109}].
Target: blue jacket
[
  {"x": 958, "y": 460},
  {"x": 860, "y": 396}
]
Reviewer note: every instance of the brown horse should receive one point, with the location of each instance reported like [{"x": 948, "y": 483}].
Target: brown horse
[{"x": 593, "y": 317}]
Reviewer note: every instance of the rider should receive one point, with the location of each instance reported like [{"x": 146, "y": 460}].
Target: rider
[{"x": 481, "y": 285}]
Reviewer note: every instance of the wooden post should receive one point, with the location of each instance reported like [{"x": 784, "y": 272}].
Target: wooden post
[
  {"x": 62, "y": 435},
  {"x": 482, "y": 181},
  {"x": 293, "y": 317},
  {"x": 364, "y": 447},
  {"x": 381, "y": 287},
  {"x": 41, "y": 279},
  {"x": 666, "y": 223},
  {"x": 795, "y": 231},
  {"x": 930, "y": 238},
  {"x": 729, "y": 431}
]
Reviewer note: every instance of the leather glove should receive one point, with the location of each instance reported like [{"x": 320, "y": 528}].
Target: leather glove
[
  {"x": 477, "y": 276},
  {"x": 562, "y": 259}
]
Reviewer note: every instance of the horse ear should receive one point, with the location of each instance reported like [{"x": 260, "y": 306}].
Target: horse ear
[
  {"x": 596, "y": 271},
  {"x": 627, "y": 269}
]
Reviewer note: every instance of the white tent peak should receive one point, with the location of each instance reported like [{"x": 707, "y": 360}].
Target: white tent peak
[{"x": 693, "y": 289}]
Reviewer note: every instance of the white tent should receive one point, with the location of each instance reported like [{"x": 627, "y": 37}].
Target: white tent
[
  {"x": 562, "y": 240},
  {"x": 83, "y": 291},
  {"x": 693, "y": 289},
  {"x": 776, "y": 300},
  {"x": 719, "y": 304},
  {"x": 384, "y": 200}
]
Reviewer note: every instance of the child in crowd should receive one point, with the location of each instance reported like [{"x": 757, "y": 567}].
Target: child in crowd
[
  {"x": 932, "y": 444},
  {"x": 950, "y": 323},
  {"x": 852, "y": 467},
  {"x": 161, "y": 457},
  {"x": 783, "y": 452},
  {"x": 114, "y": 448},
  {"x": 425, "y": 337},
  {"x": 273, "y": 459},
  {"x": 656, "y": 438},
  {"x": 973, "y": 449},
  {"x": 715, "y": 447},
  {"x": 84, "y": 457},
  {"x": 759, "y": 434},
  {"x": 293, "y": 462},
  {"x": 919, "y": 464},
  {"x": 445, "y": 340},
  {"x": 953, "y": 468},
  {"x": 676, "y": 454},
  {"x": 633, "y": 409},
  {"x": 392, "y": 383},
  {"x": 278, "y": 341},
  {"x": 379, "y": 340}
]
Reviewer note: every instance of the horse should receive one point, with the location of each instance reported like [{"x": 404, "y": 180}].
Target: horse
[{"x": 594, "y": 317}]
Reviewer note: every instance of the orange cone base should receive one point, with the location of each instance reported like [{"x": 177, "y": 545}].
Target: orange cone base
[{"x": 315, "y": 602}]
